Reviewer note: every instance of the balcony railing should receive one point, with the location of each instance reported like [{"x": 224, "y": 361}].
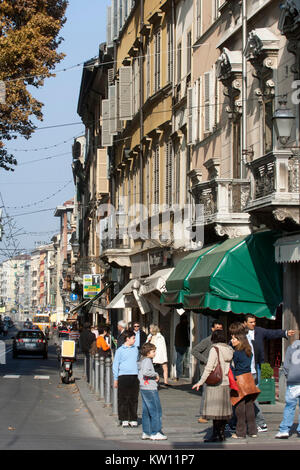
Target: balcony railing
[
  {"x": 221, "y": 198},
  {"x": 275, "y": 180}
]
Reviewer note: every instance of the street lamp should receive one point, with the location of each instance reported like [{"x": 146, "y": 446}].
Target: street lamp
[
  {"x": 283, "y": 121},
  {"x": 65, "y": 266},
  {"x": 75, "y": 247}
]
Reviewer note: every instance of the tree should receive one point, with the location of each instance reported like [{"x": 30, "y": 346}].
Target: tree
[{"x": 29, "y": 41}]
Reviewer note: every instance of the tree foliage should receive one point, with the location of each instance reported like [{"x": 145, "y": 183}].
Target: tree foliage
[{"x": 29, "y": 42}]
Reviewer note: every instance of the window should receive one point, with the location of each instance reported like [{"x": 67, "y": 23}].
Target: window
[
  {"x": 148, "y": 76},
  {"x": 169, "y": 173},
  {"x": 157, "y": 50},
  {"x": 156, "y": 175},
  {"x": 236, "y": 150},
  {"x": 136, "y": 86},
  {"x": 179, "y": 52},
  {"x": 199, "y": 19},
  {"x": 170, "y": 53},
  {"x": 189, "y": 52},
  {"x": 178, "y": 177},
  {"x": 268, "y": 126}
]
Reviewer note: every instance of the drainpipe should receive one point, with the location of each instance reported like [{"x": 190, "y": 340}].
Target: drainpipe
[
  {"x": 244, "y": 91},
  {"x": 141, "y": 66}
]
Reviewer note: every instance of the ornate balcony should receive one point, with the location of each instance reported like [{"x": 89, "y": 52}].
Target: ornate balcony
[
  {"x": 114, "y": 245},
  {"x": 275, "y": 185},
  {"x": 224, "y": 201}
]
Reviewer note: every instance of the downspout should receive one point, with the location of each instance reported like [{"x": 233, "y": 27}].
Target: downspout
[
  {"x": 244, "y": 92},
  {"x": 141, "y": 66}
]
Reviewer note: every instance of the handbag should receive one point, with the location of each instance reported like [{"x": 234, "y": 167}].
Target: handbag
[
  {"x": 232, "y": 382},
  {"x": 216, "y": 376}
]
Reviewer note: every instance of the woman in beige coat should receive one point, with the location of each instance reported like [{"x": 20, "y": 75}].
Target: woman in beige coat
[
  {"x": 161, "y": 358},
  {"x": 217, "y": 404}
]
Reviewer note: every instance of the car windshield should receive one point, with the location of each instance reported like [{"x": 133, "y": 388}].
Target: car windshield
[
  {"x": 41, "y": 319},
  {"x": 30, "y": 334}
]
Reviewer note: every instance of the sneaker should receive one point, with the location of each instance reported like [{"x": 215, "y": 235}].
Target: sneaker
[
  {"x": 158, "y": 437},
  {"x": 133, "y": 424},
  {"x": 263, "y": 428},
  {"x": 235, "y": 436},
  {"x": 125, "y": 424},
  {"x": 282, "y": 435},
  {"x": 145, "y": 436},
  {"x": 252, "y": 435}
]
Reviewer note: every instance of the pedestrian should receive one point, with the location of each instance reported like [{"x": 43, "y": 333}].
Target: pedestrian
[
  {"x": 94, "y": 330},
  {"x": 291, "y": 369},
  {"x": 182, "y": 342},
  {"x": 201, "y": 352},
  {"x": 102, "y": 345},
  {"x": 121, "y": 330},
  {"x": 243, "y": 400},
  {"x": 86, "y": 339},
  {"x": 140, "y": 335},
  {"x": 256, "y": 336},
  {"x": 160, "y": 359},
  {"x": 217, "y": 404},
  {"x": 125, "y": 372},
  {"x": 151, "y": 406}
]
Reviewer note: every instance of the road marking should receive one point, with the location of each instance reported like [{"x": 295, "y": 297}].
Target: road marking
[
  {"x": 11, "y": 376},
  {"x": 42, "y": 377}
]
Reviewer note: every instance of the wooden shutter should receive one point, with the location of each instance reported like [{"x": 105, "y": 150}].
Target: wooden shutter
[
  {"x": 207, "y": 109},
  {"x": 108, "y": 28},
  {"x": 190, "y": 115},
  {"x": 169, "y": 173},
  {"x": 106, "y": 137},
  {"x": 170, "y": 53},
  {"x": 125, "y": 74},
  {"x": 156, "y": 175},
  {"x": 157, "y": 39},
  {"x": 112, "y": 95}
]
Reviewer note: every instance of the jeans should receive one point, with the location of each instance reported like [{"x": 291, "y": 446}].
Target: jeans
[
  {"x": 151, "y": 412},
  {"x": 289, "y": 412},
  {"x": 180, "y": 352}
]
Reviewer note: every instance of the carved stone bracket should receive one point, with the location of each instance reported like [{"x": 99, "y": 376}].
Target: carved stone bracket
[
  {"x": 232, "y": 231},
  {"x": 229, "y": 72},
  {"x": 262, "y": 52},
  {"x": 282, "y": 214},
  {"x": 289, "y": 25}
]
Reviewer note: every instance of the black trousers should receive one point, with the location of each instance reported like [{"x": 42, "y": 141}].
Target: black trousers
[{"x": 128, "y": 395}]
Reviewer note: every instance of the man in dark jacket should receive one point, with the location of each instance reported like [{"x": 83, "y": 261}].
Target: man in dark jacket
[
  {"x": 201, "y": 352},
  {"x": 256, "y": 336},
  {"x": 140, "y": 335},
  {"x": 86, "y": 339},
  {"x": 121, "y": 330}
]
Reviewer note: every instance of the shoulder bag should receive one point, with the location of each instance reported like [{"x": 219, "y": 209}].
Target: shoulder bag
[{"x": 216, "y": 376}]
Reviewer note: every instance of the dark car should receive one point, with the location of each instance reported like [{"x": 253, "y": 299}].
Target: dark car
[
  {"x": 32, "y": 342},
  {"x": 27, "y": 325}
]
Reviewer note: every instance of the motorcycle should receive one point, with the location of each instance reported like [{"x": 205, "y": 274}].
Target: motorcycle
[
  {"x": 66, "y": 370},
  {"x": 66, "y": 366}
]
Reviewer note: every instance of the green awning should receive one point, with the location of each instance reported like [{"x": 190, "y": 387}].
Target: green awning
[
  {"x": 177, "y": 284},
  {"x": 240, "y": 276}
]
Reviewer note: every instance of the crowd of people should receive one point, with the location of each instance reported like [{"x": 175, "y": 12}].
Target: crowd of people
[{"x": 230, "y": 403}]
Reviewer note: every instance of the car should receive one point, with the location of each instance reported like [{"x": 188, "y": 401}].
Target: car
[
  {"x": 32, "y": 342},
  {"x": 27, "y": 325}
]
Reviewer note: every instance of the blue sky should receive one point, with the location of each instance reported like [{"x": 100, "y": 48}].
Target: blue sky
[{"x": 84, "y": 30}]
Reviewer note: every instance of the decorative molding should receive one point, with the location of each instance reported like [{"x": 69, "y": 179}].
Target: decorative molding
[
  {"x": 232, "y": 231},
  {"x": 282, "y": 214},
  {"x": 229, "y": 72}
]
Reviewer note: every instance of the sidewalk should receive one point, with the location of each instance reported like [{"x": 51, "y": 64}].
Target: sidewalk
[{"x": 180, "y": 405}]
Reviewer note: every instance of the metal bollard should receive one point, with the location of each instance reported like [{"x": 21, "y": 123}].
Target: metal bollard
[
  {"x": 97, "y": 373},
  {"x": 85, "y": 367},
  {"x": 101, "y": 378},
  {"x": 91, "y": 371},
  {"x": 114, "y": 398},
  {"x": 107, "y": 399}
]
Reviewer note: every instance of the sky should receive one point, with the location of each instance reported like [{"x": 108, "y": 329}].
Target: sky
[{"x": 51, "y": 180}]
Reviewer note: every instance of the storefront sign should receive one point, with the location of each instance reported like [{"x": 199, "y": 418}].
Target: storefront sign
[{"x": 91, "y": 285}]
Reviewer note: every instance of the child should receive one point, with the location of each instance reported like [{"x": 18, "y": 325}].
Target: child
[{"x": 152, "y": 413}]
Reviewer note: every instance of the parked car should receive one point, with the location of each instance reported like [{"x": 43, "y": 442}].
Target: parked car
[
  {"x": 27, "y": 325},
  {"x": 32, "y": 342}
]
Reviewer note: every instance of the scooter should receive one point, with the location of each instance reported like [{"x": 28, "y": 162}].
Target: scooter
[
  {"x": 66, "y": 366},
  {"x": 66, "y": 369}
]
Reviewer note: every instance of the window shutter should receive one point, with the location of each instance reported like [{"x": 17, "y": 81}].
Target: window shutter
[
  {"x": 170, "y": 52},
  {"x": 212, "y": 99},
  {"x": 106, "y": 137},
  {"x": 125, "y": 74},
  {"x": 169, "y": 173},
  {"x": 190, "y": 115},
  {"x": 148, "y": 77},
  {"x": 156, "y": 175},
  {"x": 108, "y": 27},
  {"x": 112, "y": 95},
  {"x": 207, "y": 109},
  {"x": 110, "y": 76},
  {"x": 157, "y": 61}
]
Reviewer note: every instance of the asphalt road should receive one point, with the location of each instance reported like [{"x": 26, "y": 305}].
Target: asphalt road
[{"x": 37, "y": 412}]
